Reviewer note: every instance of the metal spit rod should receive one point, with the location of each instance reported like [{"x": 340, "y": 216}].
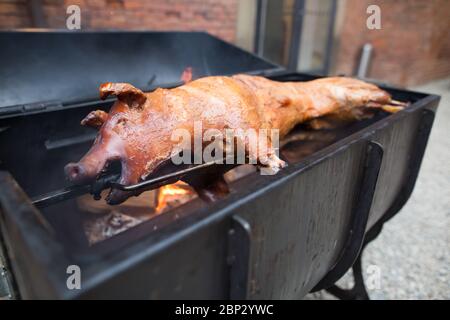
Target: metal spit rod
[{"x": 107, "y": 182}]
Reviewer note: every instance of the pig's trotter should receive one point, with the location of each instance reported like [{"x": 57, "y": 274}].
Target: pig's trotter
[{"x": 214, "y": 191}]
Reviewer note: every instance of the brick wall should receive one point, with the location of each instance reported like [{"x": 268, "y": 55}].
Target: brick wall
[
  {"x": 412, "y": 47},
  {"x": 215, "y": 16},
  {"x": 13, "y": 14}
]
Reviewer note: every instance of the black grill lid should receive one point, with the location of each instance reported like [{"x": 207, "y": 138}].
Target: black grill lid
[{"x": 64, "y": 67}]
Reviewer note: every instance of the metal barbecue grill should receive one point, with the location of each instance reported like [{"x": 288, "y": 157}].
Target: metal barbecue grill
[{"x": 278, "y": 236}]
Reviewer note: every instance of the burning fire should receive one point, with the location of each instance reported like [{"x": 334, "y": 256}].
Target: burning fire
[
  {"x": 106, "y": 221},
  {"x": 173, "y": 195}
]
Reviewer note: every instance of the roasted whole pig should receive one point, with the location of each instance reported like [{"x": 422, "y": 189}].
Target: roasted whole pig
[{"x": 138, "y": 129}]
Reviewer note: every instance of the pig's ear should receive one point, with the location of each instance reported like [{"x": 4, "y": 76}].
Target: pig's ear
[
  {"x": 125, "y": 92},
  {"x": 95, "y": 119}
]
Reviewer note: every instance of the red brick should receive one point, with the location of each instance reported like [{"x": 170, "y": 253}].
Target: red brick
[{"x": 411, "y": 47}]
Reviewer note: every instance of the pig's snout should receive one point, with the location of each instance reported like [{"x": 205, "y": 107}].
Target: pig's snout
[
  {"x": 77, "y": 173},
  {"x": 90, "y": 166},
  {"x": 86, "y": 170}
]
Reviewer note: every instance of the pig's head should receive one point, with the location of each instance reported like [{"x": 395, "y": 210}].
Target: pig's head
[{"x": 133, "y": 133}]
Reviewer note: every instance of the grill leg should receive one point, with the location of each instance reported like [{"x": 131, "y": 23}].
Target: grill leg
[{"x": 358, "y": 292}]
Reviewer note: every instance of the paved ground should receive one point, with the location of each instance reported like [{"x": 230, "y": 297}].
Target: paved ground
[{"x": 413, "y": 251}]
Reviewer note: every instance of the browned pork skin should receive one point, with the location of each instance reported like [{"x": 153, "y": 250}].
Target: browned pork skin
[{"x": 137, "y": 130}]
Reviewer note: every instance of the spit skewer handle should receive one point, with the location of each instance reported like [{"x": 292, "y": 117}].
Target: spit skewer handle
[{"x": 107, "y": 182}]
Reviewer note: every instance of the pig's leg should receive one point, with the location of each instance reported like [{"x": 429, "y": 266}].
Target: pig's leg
[
  {"x": 213, "y": 191},
  {"x": 266, "y": 158},
  {"x": 210, "y": 184},
  {"x": 271, "y": 164}
]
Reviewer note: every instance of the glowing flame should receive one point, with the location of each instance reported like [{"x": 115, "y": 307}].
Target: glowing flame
[{"x": 173, "y": 195}]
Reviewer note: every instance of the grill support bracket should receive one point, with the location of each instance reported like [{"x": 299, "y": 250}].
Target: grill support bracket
[
  {"x": 355, "y": 240},
  {"x": 359, "y": 292},
  {"x": 239, "y": 257}
]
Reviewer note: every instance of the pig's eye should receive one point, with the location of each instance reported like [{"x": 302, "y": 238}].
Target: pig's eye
[{"x": 122, "y": 122}]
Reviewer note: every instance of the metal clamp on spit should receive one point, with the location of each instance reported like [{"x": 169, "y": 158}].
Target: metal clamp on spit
[{"x": 110, "y": 181}]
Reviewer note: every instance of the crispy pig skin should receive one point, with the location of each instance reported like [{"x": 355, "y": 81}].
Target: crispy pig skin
[{"x": 137, "y": 130}]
